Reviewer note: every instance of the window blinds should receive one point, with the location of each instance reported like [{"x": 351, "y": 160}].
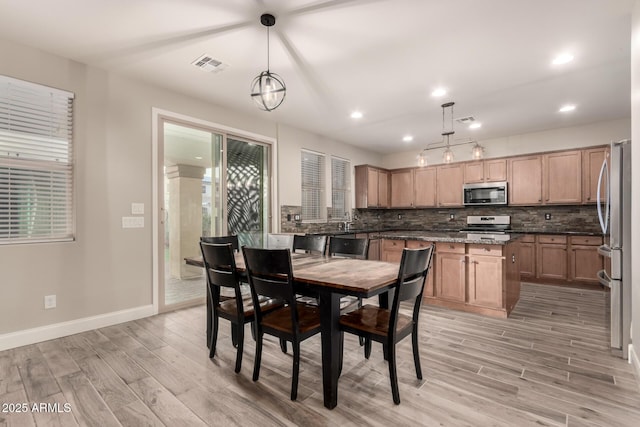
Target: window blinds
[
  {"x": 36, "y": 163},
  {"x": 340, "y": 188},
  {"x": 313, "y": 186}
]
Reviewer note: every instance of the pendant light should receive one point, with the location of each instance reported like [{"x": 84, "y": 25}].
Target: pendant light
[
  {"x": 422, "y": 158},
  {"x": 268, "y": 89},
  {"x": 477, "y": 152}
]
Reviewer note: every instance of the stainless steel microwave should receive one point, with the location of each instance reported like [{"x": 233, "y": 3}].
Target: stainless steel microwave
[{"x": 486, "y": 193}]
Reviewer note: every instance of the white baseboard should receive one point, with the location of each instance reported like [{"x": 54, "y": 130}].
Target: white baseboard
[
  {"x": 57, "y": 330},
  {"x": 635, "y": 362}
]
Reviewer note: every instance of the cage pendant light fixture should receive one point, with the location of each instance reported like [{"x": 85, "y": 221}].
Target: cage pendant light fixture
[{"x": 268, "y": 89}]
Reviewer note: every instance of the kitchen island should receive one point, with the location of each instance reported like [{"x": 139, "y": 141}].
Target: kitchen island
[{"x": 470, "y": 271}]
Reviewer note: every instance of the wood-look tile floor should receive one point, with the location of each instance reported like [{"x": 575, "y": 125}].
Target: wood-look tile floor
[{"x": 548, "y": 364}]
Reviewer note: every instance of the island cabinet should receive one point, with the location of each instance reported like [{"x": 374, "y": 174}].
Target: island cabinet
[
  {"x": 591, "y": 163},
  {"x": 372, "y": 187},
  {"x": 562, "y": 177},
  {"x": 450, "y": 271},
  {"x": 449, "y": 180},
  {"x": 525, "y": 180},
  {"x": 484, "y": 271}
]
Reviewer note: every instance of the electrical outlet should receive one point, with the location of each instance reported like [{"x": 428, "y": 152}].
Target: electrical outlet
[
  {"x": 288, "y": 217},
  {"x": 452, "y": 216},
  {"x": 296, "y": 217},
  {"x": 49, "y": 301},
  {"x": 547, "y": 216},
  {"x": 399, "y": 216}
]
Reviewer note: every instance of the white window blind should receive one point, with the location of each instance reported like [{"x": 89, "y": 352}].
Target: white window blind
[
  {"x": 340, "y": 188},
  {"x": 36, "y": 163},
  {"x": 313, "y": 186}
]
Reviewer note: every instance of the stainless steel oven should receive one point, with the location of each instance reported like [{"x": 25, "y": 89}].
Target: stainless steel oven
[{"x": 486, "y": 193}]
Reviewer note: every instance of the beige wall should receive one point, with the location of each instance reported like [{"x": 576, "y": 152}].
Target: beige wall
[
  {"x": 635, "y": 184},
  {"x": 556, "y": 139},
  {"x": 107, "y": 268}
]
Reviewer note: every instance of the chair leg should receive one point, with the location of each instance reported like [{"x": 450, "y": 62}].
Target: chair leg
[
  {"x": 367, "y": 348},
  {"x": 393, "y": 376},
  {"x": 283, "y": 345},
  {"x": 214, "y": 336},
  {"x": 258, "y": 357},
  {"x": 234, "y": 334},
  {"x": 296, "y": 370},
  {"x": 416, "y": 353},
  {"x": 253, "y": 330},
  {"x": 341, "y": 352},
  {"x": 239, "y": 351}
]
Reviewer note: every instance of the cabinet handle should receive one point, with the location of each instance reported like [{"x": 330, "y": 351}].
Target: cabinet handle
[
  {"x": 589, "y": 198},
  {"x": 539, "y": 200},
  {"x": 513, "y": 258}
]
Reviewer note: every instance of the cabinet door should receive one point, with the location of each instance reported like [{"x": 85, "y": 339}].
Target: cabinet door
[
  {"x": 402, "y": 189},
  {"x": 495, "y": 170},
  {"x": 450, "y": 276},
  {"x": 591, "y": 163},
  {"x": 429, "y": 290},
  {"x": 391, "y": 250},
  {"x": 527, "y": 259},
  {"x": 449, "y": 185},
  {"x": 473, "y": 172},
  {"x": 374, "y": 249},
  {"x": 585, "y": 264},
  {"x": 552, "y": 261},
  {"x": 525, "y": 180},
  {"x": 563, "y": 177},
  {"x": 372, "y": 187},
  {"x": 383, "y": 189},
  {"x": 424, "y": 187},
  {"x": 484, "y": 281}
]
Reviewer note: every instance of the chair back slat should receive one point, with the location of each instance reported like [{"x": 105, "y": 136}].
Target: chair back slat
[
  {"x": 233, "y": 239},
  {"x": 310, "y": 243},
  {"x": 352, "y": 248},
  {"x": 220, "y": 265}
]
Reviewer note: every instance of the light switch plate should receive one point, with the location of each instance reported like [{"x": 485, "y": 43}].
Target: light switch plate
[
  {"x": 137, "y": 208},
  {"x": 132, "y": 222}
]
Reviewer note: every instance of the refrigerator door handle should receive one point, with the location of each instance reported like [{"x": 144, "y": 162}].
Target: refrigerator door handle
[
  {"x": 604, "y": 175},
  {"x": 604, "y": 250},
  {"x": 604, "y": 278}
]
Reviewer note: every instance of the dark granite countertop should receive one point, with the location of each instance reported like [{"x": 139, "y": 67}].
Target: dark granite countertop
[
  {"x": 396, "y": 230},
  {"x": 450, "y": 237}
]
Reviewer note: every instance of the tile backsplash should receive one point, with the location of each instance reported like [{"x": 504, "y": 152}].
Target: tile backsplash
[{"x": 580, "y": 218}]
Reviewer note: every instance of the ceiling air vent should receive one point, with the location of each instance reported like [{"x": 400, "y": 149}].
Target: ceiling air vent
[
  {"x": 466, "y": 120},
  {"x": 209, "y": 63}
]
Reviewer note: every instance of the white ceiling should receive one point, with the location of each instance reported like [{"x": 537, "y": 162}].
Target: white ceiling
[{"x": 381, "y": 57}]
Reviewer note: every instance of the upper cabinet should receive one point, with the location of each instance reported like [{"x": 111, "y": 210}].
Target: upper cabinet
[
  {"x": 485, "y": 171},
  {"x": 591, "y": 163},
  {"x": 562, "y": 177},
  {"x": 424, "y": 187},
  {"x": 449, "y": 180},
  {"x": 525, "y": 180},
  {"x": 372, "y": 187},
  {"x": 402, "y": 188}
]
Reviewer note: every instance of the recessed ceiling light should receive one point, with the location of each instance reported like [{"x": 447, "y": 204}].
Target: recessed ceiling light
[
  {"x": 563, "y": 58},
  {"x": 198, "y": 158},
  {"x": 475, "y": 125},
  {"x": 567, "y": 108},
  {"x": 356, "y": 115},
  {"x": 407, "y": 138},
  {"x": 439, "y": 92}
]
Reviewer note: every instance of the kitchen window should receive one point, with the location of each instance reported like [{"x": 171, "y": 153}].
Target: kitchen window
[
  {"x": 313, "y": 186},
  {"x": 340, "y": 188},
  {"x": 36, "y": 163}
]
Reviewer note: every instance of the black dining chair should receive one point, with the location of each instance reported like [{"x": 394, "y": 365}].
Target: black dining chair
[
  {"x": 271, "y": 275},
  {"x": 310, "y": 243},
  {"x": 221, "y": 272},
  {"x": 233, "y": 239},
  {"x": 387, "y": 325}
]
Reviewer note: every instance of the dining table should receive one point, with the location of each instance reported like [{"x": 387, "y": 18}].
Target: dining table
[{"x": 331, "y": 278}]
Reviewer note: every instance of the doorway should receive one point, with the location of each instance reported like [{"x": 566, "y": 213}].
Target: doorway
[{"x": 210, "y": 183}]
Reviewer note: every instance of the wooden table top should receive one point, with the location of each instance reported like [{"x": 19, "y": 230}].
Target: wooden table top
[{"x": 343, "y": 275}]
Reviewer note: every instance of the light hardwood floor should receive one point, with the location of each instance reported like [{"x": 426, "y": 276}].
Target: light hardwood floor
[{"x": 548, "y": 364}]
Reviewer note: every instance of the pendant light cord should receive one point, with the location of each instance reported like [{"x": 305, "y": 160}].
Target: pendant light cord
[{"x": 268, "y": 44}]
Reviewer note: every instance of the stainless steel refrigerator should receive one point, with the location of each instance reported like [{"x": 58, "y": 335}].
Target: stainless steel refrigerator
[{"x": 614, "y": 212}]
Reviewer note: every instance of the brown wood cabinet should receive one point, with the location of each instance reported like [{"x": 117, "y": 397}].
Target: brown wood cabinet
[
  {"x": 372, "y": 187},
  {"x": 528, "y": 256},
  {"x": 591, "y": 163},
  {"x": 424, "y": 187},
  {"x": 485, "y": 171},
  {"x": 562, "y": 177},
  {"x": 391, "y": 250},
  {"x": 449, "y": 180},
  {"x": 484, "y": 271},
  {"x": 584, "y": 259},
  {"x": 451, "y": 271},
  {"x": 402, "y": 188},
  {"x": 551, "y": 257},
  {"x": 525, "y": 180},
  {"x": 374, "y": 245}
]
